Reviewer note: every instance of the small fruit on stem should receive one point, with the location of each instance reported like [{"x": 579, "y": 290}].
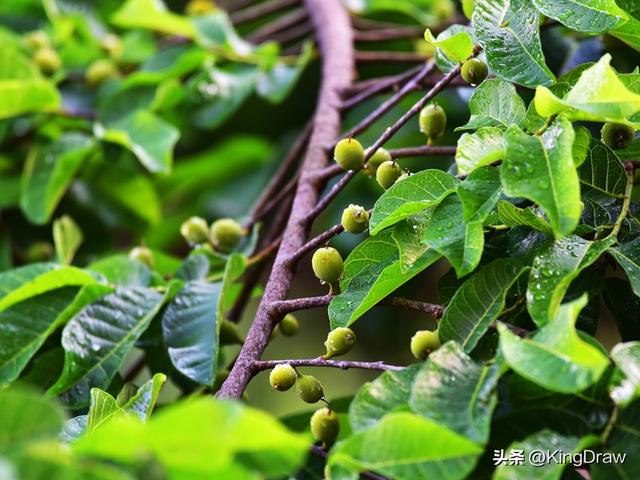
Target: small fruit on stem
[
  {"x": 617, "y": 135},
  {"x": 382, "y": 155},
  {"x": 229, "y": 334},
  {"x": 327, "y": 264},
  {"x": 195, "y": 230},
  {"x": 289, "y": 325},
  {"x": 349, "y": 154},
  {"x": 424, "y": 342},
  {"x": 309, "y": 388},
  {"x": 143, "y": 255},
  {"x": 474, "y": 71},
  {"x": 325, "y": 425},
  {"x": 48, "y": 60},
  {"x": 225, "y": 234},
  {"x": 339, "y": 341},
  {"x": 99, "y": 71},
  {"x": 355, "y": 219},
  {"x": 282, "y": 377},
  {"x": 388, "y": 173},
  {"x": 199, "y": 7},
  {"x": 433, "y": 121}
]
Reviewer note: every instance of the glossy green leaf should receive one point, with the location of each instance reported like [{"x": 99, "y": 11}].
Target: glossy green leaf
[
  {"x": 49, "y": 172},
  {"x": 478, "y": 149},
  {"x": 603, "y": 173},
  {"x": 448, "y": 234},
  {"x": 19, "y": 277},
  {"x": 455, "y": 37},
  {"x": 278, "y": 82},
  {"x": 553, "y": 270},
  {"x": 495, "y": 103},
  {"x": 628, "y": 32},
  {"x": 513, "y": 216},
  {"x": 509, "y": 33},
  {"x": 145, "y": 399},
  {"x": 581, "y": 145},
  {"x": 409, "y": 197},
  {"x": 152, "y": 15},
  {"x": 67, "y": 238},
  {"x": 215, "y": 30},
  {"x": 457, "y": 47},
  {"x": 592, "y": 16},
  {"x": 628, "y": 256},
  {"x": 101, "y": 408},
  {"x": 627, "y": 358},
  {"x": 121, "y": 270},
  {"x": 541, "y": 169},
  {"x": 479, "y": 193},
  {"x": 455, "y": 392},
  {"x": 97, "y": 340},
  {"x": 555, "y": 358},
  {"x": 478, "y": 302}
]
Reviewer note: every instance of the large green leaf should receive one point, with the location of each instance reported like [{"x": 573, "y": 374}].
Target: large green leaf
[
  {"x": 628, "y": 32},
  {"x": 508, "y": 32},
  {"x": 627, "y": 387},
  {"x": 454, "y": 391},
  {"x": 628, "y": 256},
  {"x": 389, "y": 392},
  {"x": 593, "y": 16},
  {"x": 479, "y": 193},
  {"x": 152, "y": 15},
  {"x": 541, "y": 169},
  {"x": 17, "y": 277},
  {"x": 410, "y": 196},
  {"x": 555, "y": 358},
  {"x": 457, "y": 47},
  {"x": 603, "y": 173},
  {"x": 448, "y": 234},
  {"x": 404, "y": 446},
  {"x": 553, "y": 270},
  {"x": 123, "y": 271},
  {"x": 97, "y": 340},
  {"x": 49, "y": 172},
  {"x": 478, "y": 302},
  {"x": 513, "y": 216},
  {"x": 478, "y": 149},
  {"x": 495, "y": 103}
]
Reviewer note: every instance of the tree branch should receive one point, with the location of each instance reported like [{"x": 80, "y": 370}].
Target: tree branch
[
  {"x": 260, "y": 10},
  {"x": 401, "y": 57},
  {"x": 423, "y": 151},
  {"x": 282, "y": 23},
  {"x": 260, "y": 365},
  {"x": 314, "y": 243}
]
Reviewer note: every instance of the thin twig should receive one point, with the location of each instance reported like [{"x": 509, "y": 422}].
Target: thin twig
[
  {"x": 260, "y": 10},
  {"x": 424, "y": 151},
  {"x": 314, "y": 243},
  {"x": 294, "y": 33},
  {"x": 260, "y": 365},
  {"x": 402, "y": 57},
  {"x": 388, "y": 33},
  {"x": 282, "y": 23},
  {"x": 333, "y": 193},
  {"x": 267, "y": 207}
]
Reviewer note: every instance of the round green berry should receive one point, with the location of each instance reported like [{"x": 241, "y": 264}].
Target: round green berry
[
  {"x": 339, "y": 341},
  {"x": 225, "y": 234},
  {"x": 388, "y": 173},
  {"x": 433, "y": 121},
  {"x": 99, "y": 71},
  {"x": 406, "y": 174},
  {"x": 474, "y": 71},
  {"x": 467, "y": 8},
  {"x": 349, "y": 154},
  {"x": 282, "y": 377},
  {"x": 229, "y": 333},
  {"x": 289, "y": 325},
  {"x": 112, "y": 44},
  {"x": 195, "y": 230},
  {"x": 617, "y": 135},
  {"x": 325, "y": 425},
  {"x": 309, "y": 388},
  {"x": 424, "y": 342},
  {"x": 355, "y": 219},
  {"x": 327, "y": 264},
  {"x": 382, "y": 155},
  {"x": 48, "y": 60},
  {"x": 143, "y": 255},
  {"x": 199, "y": 7},
  {"x": 36, "y": 40},
  {"x": 39, "y": 252}
]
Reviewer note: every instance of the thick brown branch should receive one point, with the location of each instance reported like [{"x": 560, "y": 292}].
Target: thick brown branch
[{"x": 261, "y": 365}]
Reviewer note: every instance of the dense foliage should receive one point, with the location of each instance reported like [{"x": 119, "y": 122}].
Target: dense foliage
[{"x": 127, "y": 127}]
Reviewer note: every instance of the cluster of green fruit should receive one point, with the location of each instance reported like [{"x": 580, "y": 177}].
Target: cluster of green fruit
[{"x": 224, "y": 234}]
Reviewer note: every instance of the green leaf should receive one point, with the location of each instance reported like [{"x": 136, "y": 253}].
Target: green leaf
[
  {"x": 628, "y": 256},
  {"x": 627, "y": 358},
  {"x": 495, "y": 103},
  {"x": 387, "y": 393},
  {"x": 448, "y": 234},
  {"x": 215, "y": 30},
  {"x": 150, "y": 138},
  {"x": 410, "y": 196},
  {"x": 478, "y": 302},
  {"x": 479, "y": 193},
  {"x": 18, "y": 277},
  {"x": 513, "y": 216},
  {"x": 152, "y": 15},
  {"x": 581, "y": 145},
  {"x": 555, "y": 358},
  {"x": 102, "y": 407},
  {"x": 371, "y": 272},
  {"x": 603, "y": 173},
  {"x": 49, "y": 172},
  {"x": 541, "y": 169},
  {"x": 583, "y": 15},
  {"x": 454, "y": 391},
  {"x": 553, "y": 270},
  {"x": 599, "y": 95},
  {"x": 97, "y": 340},
  {"x": 479, "y": 149},
  {"x": 405, "y": 446},
  {"x": 145, "y": 399},
  {"x": 509, "y": 34},
  {"x": 457, "y": 47},
  {"x": 628, "y": 33},
  {"x": 276, "y": 84},
  {"x": 121, "y": 270},
  {"x": 67, "y": 238},
  {"x": 408, "y": 237},
  {"x": 190, "y": 329}
]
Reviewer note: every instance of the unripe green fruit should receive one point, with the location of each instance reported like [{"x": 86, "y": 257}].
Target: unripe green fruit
[
  {"x": 382, "y": 155},
  {"x": 325, "y": 425},
  {"x": 48, "y": 60},
  {"x": 349, "y": 154},
  {"x": 39, "y": 252},
  {"x": 467, "y": 8},
  {"x": 309, "y": 388},
  {"x": 327, "y": 264},
  {"x": 282, "y": 377},
  {"x": 617, "y": 135},
  {"x": 99, "y": 71},
  {"x": 37, "y": 40},
  {"x": 474, "y": 71},
  {"x": 355, "y": 219},
  {"x": 225, "y": 234},
  {"x": 229, "y": 334},
  {"x": 143, "y": 255},
  {"x": 199, "y": 7},
  {"x": 433, "y": 121},
  {"x": 195, "y": 230},
  {"x": 112, "y": 44},
  {"x": 424, "y": 342},
  {"x": 406, "y": 174},
  {"x": 289, "y": 325},
  {"x": 339, "y": 341},
  {"x": 444, "y": 9},
  {"x": 388, "y": 173}
]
